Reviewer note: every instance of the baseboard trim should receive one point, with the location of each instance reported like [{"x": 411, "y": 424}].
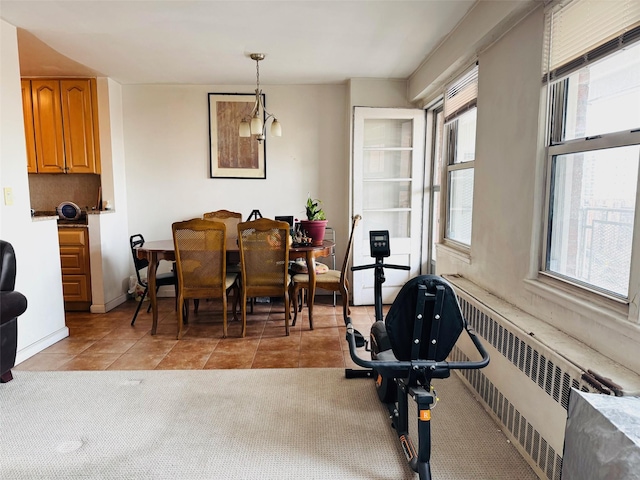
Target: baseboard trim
[
  {"x": 29, "y": 351},
  {"x": 104, "y": 308}
]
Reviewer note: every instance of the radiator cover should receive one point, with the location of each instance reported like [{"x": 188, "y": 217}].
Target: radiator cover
[{"x": 526, "y": 386}]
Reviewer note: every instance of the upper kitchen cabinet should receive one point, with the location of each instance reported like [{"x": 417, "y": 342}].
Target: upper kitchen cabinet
[
  {"x": 32, "y": 166},
  {"x": 64, "y": 133}
]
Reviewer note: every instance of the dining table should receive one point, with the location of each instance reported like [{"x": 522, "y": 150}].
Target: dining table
[{"x": 156, "y": 250}]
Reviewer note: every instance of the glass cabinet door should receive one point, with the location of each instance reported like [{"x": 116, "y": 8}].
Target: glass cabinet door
[{"x": 387, "y": 192}]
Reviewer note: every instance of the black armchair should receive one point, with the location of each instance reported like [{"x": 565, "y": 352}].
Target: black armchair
[{"x": 12, "y": 305}]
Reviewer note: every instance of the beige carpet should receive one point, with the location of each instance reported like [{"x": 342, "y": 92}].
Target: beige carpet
[{"x": 232, "y": 424}]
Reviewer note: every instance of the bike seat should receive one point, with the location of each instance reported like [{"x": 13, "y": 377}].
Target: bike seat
[{"x": 424, "y": 330}]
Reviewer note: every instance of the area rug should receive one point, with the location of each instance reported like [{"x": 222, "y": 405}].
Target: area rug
[{"x": 231, "y": 424}]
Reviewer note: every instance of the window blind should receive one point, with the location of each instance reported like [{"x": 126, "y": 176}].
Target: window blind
[
  {"x": 582, "y": 31},
  {"x": 461, "y": 94}
]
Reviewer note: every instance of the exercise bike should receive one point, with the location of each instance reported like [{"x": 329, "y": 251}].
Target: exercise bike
[{"x": 410, "y": 348}]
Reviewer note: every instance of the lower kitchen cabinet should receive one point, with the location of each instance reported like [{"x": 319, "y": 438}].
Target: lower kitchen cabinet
[{"x": 76, "y": 273}]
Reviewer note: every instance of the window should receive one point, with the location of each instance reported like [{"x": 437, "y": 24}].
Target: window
[
  {"x": 593, "y": 154},
  {"x": 434, "y": 188},
  {"x": 460, "y": 154}
]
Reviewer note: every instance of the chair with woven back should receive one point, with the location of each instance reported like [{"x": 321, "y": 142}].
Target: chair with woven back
[
  {"x": 200, "y": 247},
  {"x": 264, "y": 260},
  {"x": 332, "y": 280},
  {"x": 231, "y": 220}
]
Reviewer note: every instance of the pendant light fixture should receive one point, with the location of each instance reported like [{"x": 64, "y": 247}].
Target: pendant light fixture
[{"x": 253, "y": 124}]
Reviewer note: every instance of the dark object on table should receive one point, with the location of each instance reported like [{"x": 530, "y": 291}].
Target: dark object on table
[{"x": 301, "y": 244}]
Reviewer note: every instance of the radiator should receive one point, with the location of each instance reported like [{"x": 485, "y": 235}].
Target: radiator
[{"x": 526, "y": 386}]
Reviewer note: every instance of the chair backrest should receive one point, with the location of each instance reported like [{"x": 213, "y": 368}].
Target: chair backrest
[
  {"x": 136, "y": 241},
  {"x": 200, "y": 247},
  {"x": 230, "y": 219},
  {"x": 425, "y": 320},
  {"x": 347, "y": 256},
  {"x": 264, "y": 253}
]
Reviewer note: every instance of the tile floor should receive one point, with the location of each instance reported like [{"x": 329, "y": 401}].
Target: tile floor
[{"x": 108, "y": 341}]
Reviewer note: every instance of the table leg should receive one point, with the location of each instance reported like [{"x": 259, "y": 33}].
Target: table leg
[
  {"x": 151, "y": 279},
  {"x": 311, "y": 268}
]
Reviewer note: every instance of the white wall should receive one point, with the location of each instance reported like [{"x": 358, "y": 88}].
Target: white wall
[
  {"x": 508, "y": 189},
  {"x": 484, "y": 23},
  {"x": 167, "y": 157},
  {"x": 39, "y": 276},
  {"x": 111, "y": 262}
]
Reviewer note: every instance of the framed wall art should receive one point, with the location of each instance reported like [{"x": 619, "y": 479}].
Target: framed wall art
[{"x": 233, "y": 156}]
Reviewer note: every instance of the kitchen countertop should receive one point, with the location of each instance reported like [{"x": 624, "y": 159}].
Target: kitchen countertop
[{"x": 40, "y": 216}]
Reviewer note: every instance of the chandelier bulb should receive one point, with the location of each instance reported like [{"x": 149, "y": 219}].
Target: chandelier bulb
[
  {"x": 245, "y": 129},
  {"x": 255, "y": 125},
  {"x": 276, "y": 128}
]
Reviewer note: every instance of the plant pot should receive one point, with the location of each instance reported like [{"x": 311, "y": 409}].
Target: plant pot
[{"x": 315, "y": 229}]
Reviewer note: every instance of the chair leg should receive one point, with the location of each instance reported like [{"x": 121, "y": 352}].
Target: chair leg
[
  {"x": 287, "y": 306},
  {"x": 224, "y": 316},
  {"x": 243, "y": 307},
  {"x": 301, "y": 298},
  {"x": 6, "y": 377},
  {"x": 236, "y": 300},
  {"x": 293, "y": 296},
  {"x": 174, "y": 269},
  {"x": 181, "y": 315},
  {"x": 345, "y": 302},
  {"x": 144, "y": 294}
]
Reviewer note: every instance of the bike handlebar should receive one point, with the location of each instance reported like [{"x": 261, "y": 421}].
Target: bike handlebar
[
  {"x": 376, "y": 265},
  {"x": 400, "y": 368}
]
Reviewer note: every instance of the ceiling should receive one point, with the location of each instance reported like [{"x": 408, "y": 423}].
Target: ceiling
[{"x": 208, "y": 42}]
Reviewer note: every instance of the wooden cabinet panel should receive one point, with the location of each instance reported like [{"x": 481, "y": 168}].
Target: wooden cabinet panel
[
  {"x": 72, "y": 236},
  {"x": 78, "y": 118},
  {"x": 47, "y": 125},
  {"x": 75, "y": 288},
  {"x": 27, "y": 107},
  {"x": 74, "y": 259},
  {"x": 64, "y": 121}
]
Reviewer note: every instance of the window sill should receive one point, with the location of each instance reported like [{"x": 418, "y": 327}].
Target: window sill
[{"x": 576, "y": 298}]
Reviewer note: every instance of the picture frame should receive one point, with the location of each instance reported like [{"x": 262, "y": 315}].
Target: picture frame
[{"x": 230, "y": 155}]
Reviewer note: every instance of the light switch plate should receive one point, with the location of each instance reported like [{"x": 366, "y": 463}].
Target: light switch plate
[{"x": 8, "y": 196}]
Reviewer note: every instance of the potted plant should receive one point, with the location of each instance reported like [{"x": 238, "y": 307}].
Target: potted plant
[{"x": 316, "y": 221}]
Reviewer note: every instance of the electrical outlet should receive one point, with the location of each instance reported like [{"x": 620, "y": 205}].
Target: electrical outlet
[{"x": 8, "y": 196}]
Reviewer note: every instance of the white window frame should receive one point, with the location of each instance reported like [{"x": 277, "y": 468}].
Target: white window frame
[
  {"x": 627, "y": 307},
  {"x": 433, "y": 211},
  {"x": 460, "y": 98}
]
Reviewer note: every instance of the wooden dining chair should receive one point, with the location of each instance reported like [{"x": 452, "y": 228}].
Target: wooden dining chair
[
  {"x": 231, "y": 220},
  {"x": 200, "y": 247},
  {"x": 264, "y": 261},
  {"x": 332, "y": 280}
]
